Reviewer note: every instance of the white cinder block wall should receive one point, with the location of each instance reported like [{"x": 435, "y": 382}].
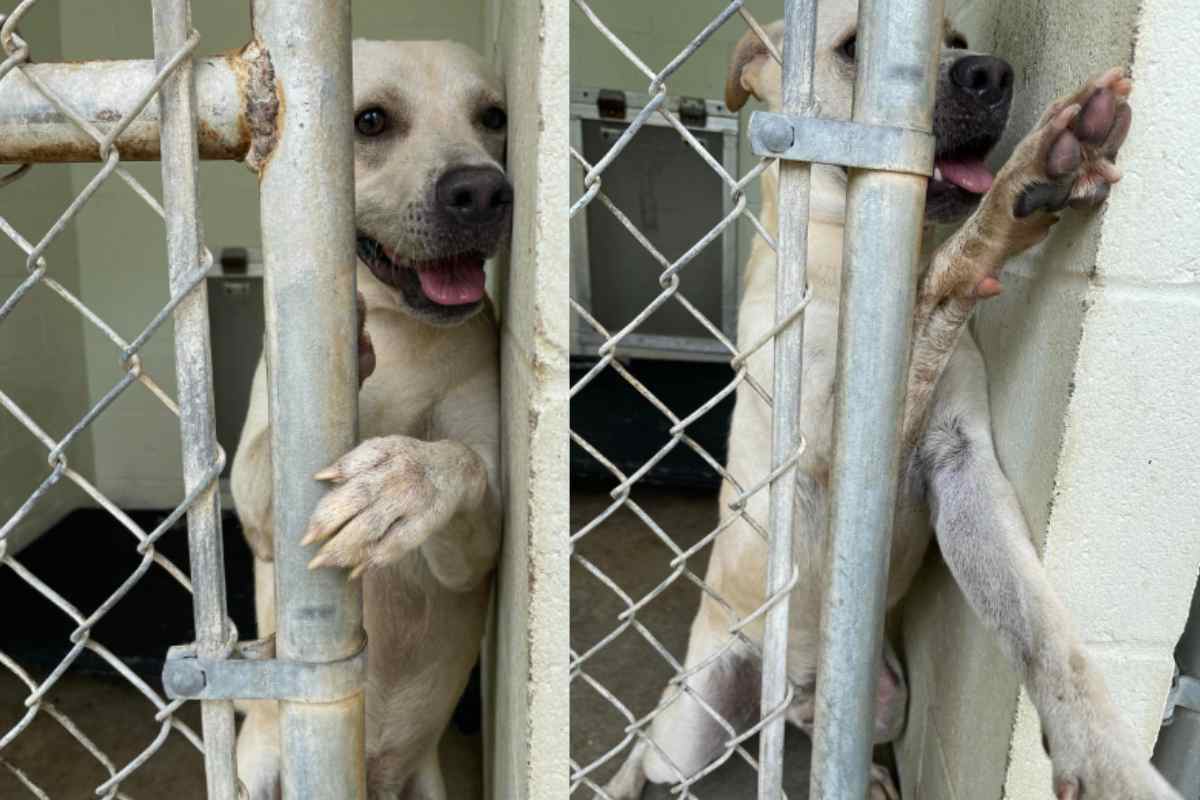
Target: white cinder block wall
[
  {"x": 528, "y": 713},
  {"x": 1094, "y": 376}
]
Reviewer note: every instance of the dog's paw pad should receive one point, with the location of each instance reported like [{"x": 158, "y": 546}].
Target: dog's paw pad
[
  {"x": 1080, "y": 137},
  {"x": 1049, "y": 197}
]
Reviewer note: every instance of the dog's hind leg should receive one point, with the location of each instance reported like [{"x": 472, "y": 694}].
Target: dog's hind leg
[
  {"x": 692, "y": 729},
  {"x": 985, "y": 542}
]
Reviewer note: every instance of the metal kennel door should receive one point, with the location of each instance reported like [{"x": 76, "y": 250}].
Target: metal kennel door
[
  {"x": 889, "y": 166},
  {"x": 268, "y": 105},
  {"x": 888, "y": 147}
]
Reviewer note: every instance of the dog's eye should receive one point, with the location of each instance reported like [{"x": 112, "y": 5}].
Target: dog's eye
[
  {"x": 493, "y": 118},
  {"x": 846, "y": 49},
  {"x": 371, "y": 122},
  {"x": 957, "y": 43}
]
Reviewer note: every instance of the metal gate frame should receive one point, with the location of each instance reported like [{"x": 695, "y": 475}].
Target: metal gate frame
[
  {"x": 267, "y": 105},
  {"x": 888, "y": 147},
  {"x": 892, "y": 158}
]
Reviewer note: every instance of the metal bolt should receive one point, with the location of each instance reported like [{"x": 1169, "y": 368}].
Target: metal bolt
[
  {"x": 776, "y": 134},
  {"x": 184, "y": 679}
]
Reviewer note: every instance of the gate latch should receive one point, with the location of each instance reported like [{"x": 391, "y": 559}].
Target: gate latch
[
  {"x": 253, "y": 673},
  {"x": 847, "y": 144},
  {"x": 611, "y": 104},
  {"x": 693, "y": 111}
]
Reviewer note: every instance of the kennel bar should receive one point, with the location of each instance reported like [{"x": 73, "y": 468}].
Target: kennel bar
[
  {"x": 1179, "y": 739},
  {"x": 309, "y": 265},
  {"x": 898, "y": 49},
  {"x": 179, "y": 107},
  {"x": 799, "y": 47},
  {"x": 193, "y": 368}
]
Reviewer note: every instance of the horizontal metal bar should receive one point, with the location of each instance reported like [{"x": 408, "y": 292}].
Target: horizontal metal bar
[
  {"x": 848, "y": 144},
  {"x": 33, "y": 129},
  {"x": 256, "y": 677}
]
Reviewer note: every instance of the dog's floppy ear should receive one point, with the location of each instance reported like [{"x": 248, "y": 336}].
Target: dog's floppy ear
[{"x": 745, "y": 68}]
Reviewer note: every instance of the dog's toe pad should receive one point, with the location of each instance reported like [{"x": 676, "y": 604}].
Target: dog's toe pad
[{"x": 1049, "y": 197}]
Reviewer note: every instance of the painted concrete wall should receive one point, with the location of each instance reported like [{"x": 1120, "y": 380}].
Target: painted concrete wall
[
  {"x": 1093, "y": 377},
  {"x": 41, "y": 353},
  {"x": 529, "y": 713},
  {"x": 121, "y": 247}
]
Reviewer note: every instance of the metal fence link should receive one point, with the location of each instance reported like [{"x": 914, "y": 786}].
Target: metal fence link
[
  {"x": 584, "y": 779},
  {"x": 190, "y": 263}
]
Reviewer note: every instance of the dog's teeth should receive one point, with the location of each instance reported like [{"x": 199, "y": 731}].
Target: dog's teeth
[{"x": 937, "y": 173}]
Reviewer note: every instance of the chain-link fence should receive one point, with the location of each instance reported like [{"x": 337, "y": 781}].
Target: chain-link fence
[
  {"x": 716, "y": 699},
  {"x": 189, "y": 263},
  {"x": 179, "y": 108},
  {"x": 587, "y": 776}
]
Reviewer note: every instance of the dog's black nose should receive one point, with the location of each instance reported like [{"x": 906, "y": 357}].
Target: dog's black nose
[
  {"x": 986, "y": 77},
  {"x": 474, "y": 195}
]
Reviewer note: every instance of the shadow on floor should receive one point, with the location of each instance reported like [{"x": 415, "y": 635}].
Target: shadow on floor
[
  {"x": 635, "y": 558},
  {"x": 154, "y": 615}
]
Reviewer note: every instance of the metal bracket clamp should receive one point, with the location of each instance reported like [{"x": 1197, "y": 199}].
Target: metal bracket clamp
[
  {"x": 847, "y": 144},
  {"x": 253, "y": 673},
  {"x": 1185, "y": 693}
]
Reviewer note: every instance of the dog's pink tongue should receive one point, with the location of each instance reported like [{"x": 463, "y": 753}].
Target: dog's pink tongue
[
  {"x": 453, "y": 281},
  {"x": 969, "y": 173}
]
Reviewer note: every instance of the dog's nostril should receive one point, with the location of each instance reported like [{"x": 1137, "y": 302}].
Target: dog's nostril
[{"x": 461, "y": 199}]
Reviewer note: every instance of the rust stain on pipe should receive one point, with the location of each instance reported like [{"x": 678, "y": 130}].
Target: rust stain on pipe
[{"x": 262, "y": 104}]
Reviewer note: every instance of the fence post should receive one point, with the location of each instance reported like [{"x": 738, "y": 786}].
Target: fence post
[
  {"x": 799, "y": 47},
  {"x": 898, "y": 49},
  {"x": 193, "y": 368},
  {"x": 307, "y": 192}
]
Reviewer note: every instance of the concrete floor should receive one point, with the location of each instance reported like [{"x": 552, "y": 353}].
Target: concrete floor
[
  {"x": 120, "y": 721},
  {"x": 628, "y": 667}
]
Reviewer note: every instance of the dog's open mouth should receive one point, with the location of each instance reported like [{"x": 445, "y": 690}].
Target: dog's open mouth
[
  {"x": 449, "y": 281},
  {"x": 961, "y": 165},
  {"x": 968, "y": 173}
]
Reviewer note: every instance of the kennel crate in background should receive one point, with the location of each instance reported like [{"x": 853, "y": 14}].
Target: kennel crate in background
[
  {"x": 668, "y": 192},
  {"x": 116, "y": 448}
]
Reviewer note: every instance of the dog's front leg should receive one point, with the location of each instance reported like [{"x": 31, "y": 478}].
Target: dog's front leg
[
  {"x": 985, "y": 542},
  {"x": 1066, "y": 160},
  {"x": 395, "y": 494}
]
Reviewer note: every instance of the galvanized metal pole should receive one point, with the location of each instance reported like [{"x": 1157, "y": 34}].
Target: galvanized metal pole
[
  {"x": 1177, "y": 752},
  {"x": 34, "y": 130},
  {"x": 193, "y": 369},
  {"x": 799, "y": 46},
  {"x": 307, "y": 186},
  {"x": 898, "y": 50}
]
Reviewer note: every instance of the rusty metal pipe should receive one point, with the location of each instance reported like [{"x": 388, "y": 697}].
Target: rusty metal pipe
[{"x": 34, "y": 129}]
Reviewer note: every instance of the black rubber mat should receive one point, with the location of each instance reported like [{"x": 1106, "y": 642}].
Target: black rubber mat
[
  {"x": 613, "y": 417},
  {"x": 86, "y": 557}
]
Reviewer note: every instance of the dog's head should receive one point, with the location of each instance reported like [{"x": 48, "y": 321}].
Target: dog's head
[
  {"x": 973, "y": 96},
  {"x": 433, "y": 201}
]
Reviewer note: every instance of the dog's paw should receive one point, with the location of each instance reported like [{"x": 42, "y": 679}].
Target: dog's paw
[
  {"x": 1070, "y": 158},
  {"x": 1104, "y": 763},
  {"x": 391, "y": 494},
  {"x": 882, "y": 787},
  {"x": 366, "y": 350}
]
